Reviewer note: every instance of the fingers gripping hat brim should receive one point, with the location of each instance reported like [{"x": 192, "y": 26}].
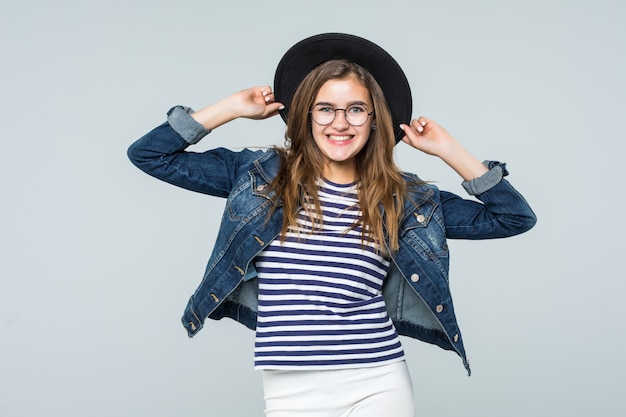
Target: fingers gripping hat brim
[{"x": 307, "y": 54}]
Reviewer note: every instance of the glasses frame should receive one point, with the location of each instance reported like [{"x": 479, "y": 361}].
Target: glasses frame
[{"x": 345, "y": 115}]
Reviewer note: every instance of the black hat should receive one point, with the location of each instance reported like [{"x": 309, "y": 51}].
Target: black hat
[{"x": 307, "y": 54}]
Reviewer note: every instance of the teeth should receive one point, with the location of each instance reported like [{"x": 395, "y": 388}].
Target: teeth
[{"x": 338, "y": 138}]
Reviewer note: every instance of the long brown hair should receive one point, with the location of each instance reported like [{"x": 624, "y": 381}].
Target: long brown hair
[{"x": 381, "y": 188}]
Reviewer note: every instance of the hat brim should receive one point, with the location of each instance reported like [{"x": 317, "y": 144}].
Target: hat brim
[{"x": 307, "y": 54}]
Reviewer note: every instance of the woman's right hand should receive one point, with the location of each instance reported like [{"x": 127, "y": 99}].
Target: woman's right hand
[
  {"x": 252, "y": 103},
  {"x": 258, "y": 103}
]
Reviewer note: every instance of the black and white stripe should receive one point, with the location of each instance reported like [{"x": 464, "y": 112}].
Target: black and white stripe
[{"x": 320, "y": 294}]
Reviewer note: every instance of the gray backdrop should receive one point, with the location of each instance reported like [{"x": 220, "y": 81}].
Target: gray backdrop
[{"x": 98, "y": 259}]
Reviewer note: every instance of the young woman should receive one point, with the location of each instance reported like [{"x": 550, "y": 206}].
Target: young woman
[{"x": 326, "y": 248}]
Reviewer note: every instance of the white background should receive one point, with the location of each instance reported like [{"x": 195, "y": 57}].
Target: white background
[{"x": 98, "y": 259}]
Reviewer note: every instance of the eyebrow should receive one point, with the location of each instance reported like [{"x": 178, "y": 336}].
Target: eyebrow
[{"x": 352, "y": 103}]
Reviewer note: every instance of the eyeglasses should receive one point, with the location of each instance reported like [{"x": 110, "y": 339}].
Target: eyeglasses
[{"x": 356, "y": 115}]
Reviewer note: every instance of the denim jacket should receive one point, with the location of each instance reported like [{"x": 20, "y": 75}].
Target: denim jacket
[{"x": 416, "y": 289}]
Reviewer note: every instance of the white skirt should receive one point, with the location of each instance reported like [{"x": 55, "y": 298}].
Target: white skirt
[{"x": 384, "y": 390}]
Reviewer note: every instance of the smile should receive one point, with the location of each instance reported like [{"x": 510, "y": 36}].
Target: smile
[{"x": 342, "y": 138}]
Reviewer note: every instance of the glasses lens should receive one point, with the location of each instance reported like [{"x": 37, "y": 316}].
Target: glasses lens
[
  {"x": 323, "y": 115},
  {"x": 356, "y": 115}
]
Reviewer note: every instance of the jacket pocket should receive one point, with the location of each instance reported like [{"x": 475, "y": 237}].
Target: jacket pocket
[
  {"x": 424, "y": 232},
  {"x": 428, "y": 245}
]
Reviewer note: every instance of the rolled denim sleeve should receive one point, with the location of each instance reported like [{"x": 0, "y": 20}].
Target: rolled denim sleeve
[
  {"x": 162, "y": 153},
  {"x": 477, "y": 186},
  {"x": 179, "y": 118},
  {"x": 504, "y": 212}
]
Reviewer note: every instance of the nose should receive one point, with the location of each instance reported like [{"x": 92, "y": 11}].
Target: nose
[{"x": 340, "y": 121}]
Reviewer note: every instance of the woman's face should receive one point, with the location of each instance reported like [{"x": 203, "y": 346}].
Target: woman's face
[{"x": 340, "y": 141}]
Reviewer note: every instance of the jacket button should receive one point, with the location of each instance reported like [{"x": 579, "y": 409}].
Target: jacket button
[
  {"x": 420, "y": 218},
  {"x": 439, "y": 308},
  {"x": 455, "y": 338},
  {"x": 260, "y": 187},
  {"x": 415, "y": 277},
  {"x": 193, "y": 326}
]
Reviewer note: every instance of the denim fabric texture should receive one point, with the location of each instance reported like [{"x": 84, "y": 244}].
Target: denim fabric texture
[{"x": 416, "y": 290}]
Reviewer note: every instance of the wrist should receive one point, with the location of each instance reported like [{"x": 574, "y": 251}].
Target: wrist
[
  {"x": 463, "y": 162},
  {"x": 217, "y": 114}
]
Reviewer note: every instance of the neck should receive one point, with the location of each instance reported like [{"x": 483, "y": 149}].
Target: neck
[{"x": 340, "y": 173}]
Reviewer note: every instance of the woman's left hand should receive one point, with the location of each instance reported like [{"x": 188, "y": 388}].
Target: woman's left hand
[
  {"x": 427, "y": 136},
  {"x": 430, "y": 138}
]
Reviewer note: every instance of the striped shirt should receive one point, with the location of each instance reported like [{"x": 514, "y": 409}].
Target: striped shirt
[{"x": 320, "y": 294}]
